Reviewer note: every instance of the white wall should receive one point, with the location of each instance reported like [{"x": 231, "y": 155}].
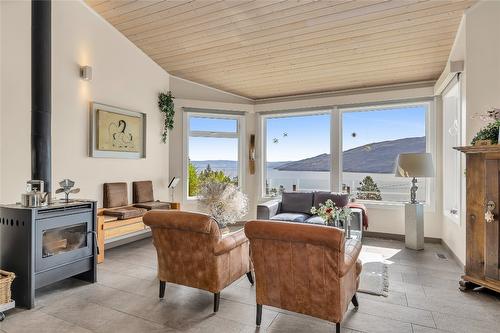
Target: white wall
[
  {"x": 480, "y": 88},
  {"x": 123, "y": 76},
  {"x": 185, "y": 89}
]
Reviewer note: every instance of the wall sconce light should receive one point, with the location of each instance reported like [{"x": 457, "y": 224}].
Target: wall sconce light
[{"x": 86, "y": 73}]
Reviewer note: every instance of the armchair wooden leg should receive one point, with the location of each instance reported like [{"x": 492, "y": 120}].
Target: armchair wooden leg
[
  {"x": 216, "y": 301},
  {"x": 337, "y": 327},
  {"x": 162, "y": 288},
  {"x": 355, "y": 301},
  {"x": 259, "y": 314},
  {"x": 250, "y": 277}
]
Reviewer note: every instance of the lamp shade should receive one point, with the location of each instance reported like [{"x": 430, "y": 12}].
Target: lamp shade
[{"x": 414, "y": 165}]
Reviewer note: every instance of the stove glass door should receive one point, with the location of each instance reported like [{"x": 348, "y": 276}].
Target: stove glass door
[{"x": 63, "y": 239}]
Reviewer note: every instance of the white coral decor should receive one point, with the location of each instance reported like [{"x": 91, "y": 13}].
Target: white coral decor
[{"x": 224, "y": 202}]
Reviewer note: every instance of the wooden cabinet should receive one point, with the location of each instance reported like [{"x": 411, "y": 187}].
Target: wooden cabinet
[{"x": 483, "y": 215}]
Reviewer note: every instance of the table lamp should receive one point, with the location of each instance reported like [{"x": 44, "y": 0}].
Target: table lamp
[{"x": 414, "y": 165}]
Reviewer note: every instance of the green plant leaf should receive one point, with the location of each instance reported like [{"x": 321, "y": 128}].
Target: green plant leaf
[
  {"x": 166, "y": 106},
  {"x": 490, "y": 132}
]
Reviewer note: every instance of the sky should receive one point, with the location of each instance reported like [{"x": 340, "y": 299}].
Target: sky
[{"x": 299, "y": 137}]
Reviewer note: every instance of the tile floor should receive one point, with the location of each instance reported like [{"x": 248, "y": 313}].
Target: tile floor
[{"x": 424, "y": 298}]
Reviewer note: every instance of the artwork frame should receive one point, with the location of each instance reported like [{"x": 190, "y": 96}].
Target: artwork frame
[{"x": 116, "y": 132}]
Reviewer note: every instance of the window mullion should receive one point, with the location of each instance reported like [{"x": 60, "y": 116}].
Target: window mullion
[{"x": 336, "y": 150}]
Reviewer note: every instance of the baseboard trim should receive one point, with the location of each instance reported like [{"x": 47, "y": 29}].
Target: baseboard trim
[
  {"x": 398, "y": 237},
  {"x": 453, "y": 255}
]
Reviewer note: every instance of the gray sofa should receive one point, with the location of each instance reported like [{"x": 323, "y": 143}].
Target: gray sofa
[{"x": 296, "y": 207}]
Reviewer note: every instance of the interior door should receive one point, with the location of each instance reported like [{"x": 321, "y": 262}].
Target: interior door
[{"x": 492, "y": 230}]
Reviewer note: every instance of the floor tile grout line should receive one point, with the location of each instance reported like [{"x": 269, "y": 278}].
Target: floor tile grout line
[
  {"x": 163, "y": 324},
  {"x": 62, "y": 319},
  {"x": 395, "y": 319},
  {"x": 117, "y": 310}
]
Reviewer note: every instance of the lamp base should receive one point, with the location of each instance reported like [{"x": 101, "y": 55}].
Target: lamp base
[{"x": 413, "y": 191}]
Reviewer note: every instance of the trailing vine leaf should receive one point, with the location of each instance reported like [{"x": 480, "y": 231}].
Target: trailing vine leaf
[
  {"x": 490, "y": 132},
  {"x": 166, "y": 106}
]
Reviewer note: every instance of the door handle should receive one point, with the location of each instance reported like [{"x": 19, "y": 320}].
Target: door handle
[{"x": 489, "y": 216}]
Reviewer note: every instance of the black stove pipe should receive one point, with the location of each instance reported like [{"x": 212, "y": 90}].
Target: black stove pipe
[{"x": 41, "y": 91}]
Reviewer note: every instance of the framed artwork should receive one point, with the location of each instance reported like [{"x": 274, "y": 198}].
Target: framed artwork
[{"x": 116, "y": 132}]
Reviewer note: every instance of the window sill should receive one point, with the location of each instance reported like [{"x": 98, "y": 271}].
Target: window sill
[
  {"x": 381, "y": 204},
  {"x": 391, "y": 205}
]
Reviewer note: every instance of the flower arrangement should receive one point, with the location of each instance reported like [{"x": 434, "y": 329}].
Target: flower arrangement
[
  {"x": 331, "y": 213},
  {"x": 223, "y": 201}
]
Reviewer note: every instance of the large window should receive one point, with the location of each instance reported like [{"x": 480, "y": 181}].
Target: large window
[
  {"x": 214, "y": 150},
  {"x": 297, "y": 153},
  {"x": 372, "y": 139},
  {"x": 348, "y": 149}
]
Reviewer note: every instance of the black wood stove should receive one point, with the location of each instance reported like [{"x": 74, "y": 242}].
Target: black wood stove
[{"x": 43, "y": 245}]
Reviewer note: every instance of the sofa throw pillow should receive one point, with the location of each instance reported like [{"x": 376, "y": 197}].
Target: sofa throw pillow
[
  {"x": 339, "y": 199},
  {"x": 296, "y": 202}
]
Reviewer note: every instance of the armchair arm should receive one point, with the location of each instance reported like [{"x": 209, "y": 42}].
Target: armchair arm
[
  {"x": 268, "y": 209},
  {"x": 351, "y": 254},
  {"x": 230, "y": 242}
]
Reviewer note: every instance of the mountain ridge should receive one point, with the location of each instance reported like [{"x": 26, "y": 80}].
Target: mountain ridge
[{"x": 377, "y": 157}]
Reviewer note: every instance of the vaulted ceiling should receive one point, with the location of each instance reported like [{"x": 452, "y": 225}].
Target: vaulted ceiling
[{"x": 263, "y": 48}]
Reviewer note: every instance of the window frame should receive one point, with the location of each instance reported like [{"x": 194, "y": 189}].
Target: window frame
[
  {"x": 336, "y": 144},
  {"x": 429, "y": 147},
  {"x": 239, "y": 135},
  {"x": 263, "y": 142},
  {"x": 455, "y": 83}
]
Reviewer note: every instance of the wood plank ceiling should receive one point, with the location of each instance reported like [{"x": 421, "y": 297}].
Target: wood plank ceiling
[{"x": 263, "y": 48}]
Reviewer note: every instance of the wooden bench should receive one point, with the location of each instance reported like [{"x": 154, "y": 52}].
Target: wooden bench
[
  {"x": 111, "y": 229},
  {"x": 119, "y": 222}
]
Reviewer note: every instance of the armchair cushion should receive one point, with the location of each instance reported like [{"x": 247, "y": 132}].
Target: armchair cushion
[
  {"x": 115, "y": 195},
  {"x": 315, "y": 220},
  {"x": 124, "y": 213},
  {"x": 142, "y": 191},
  {"x": 296, "y": 202},
  {"x": 153, "y": 205},
  {"x": 339, "y": 199},
  {"x": 290, "y": 217}
]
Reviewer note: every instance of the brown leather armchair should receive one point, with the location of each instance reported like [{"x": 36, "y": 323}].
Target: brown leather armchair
[
  {"x": 309, "y": 269},
  {"x": 192, "y": 252}
]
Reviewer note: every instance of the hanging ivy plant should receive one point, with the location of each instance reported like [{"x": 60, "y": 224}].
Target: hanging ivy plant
[
  {"x": 490, "y": 132},
  {"x": 166, "y": 105}
]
